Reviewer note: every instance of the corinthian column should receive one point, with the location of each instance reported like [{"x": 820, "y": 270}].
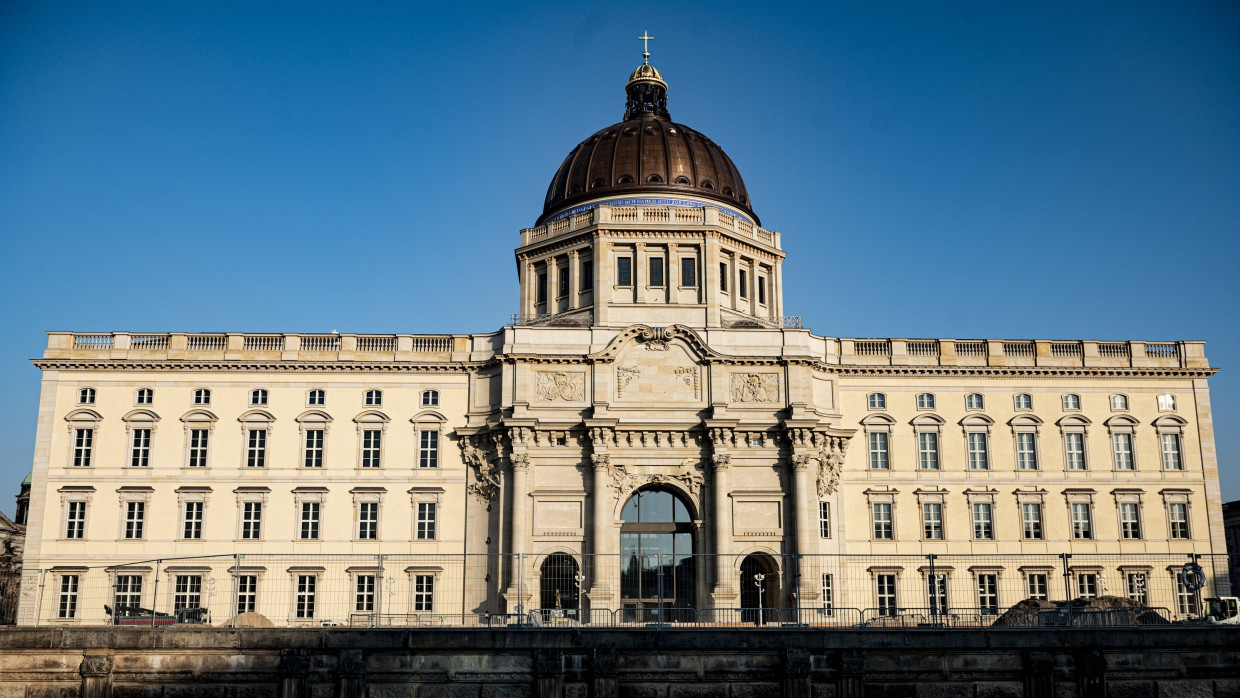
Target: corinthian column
[
  {"x": 804, "y": 468},
  {"x": 725, "y": 594},
  {"x": 605, "y": 565},
  {"x": 519, "y": 581}
]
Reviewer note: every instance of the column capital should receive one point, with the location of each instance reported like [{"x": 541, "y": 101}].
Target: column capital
[
  {"x": 721, "y": 461},
  {"x": 573, "y": 254},
  {"x": 520, "y": 461},
  {"x": 601, "y": 461}
]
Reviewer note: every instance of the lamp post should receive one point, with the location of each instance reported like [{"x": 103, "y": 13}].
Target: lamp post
[
  {"x": 757, "y": 580},
  {"x": 580, "y": 579}
]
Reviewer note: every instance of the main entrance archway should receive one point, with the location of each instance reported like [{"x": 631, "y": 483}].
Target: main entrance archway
[
  {"x": 558, "y": 586},
  {"x": 656, "y": 556}
]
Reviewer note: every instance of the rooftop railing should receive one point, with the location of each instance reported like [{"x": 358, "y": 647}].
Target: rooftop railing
[
  {"x": 242, "y": 346},
  {"x": 1000, "y": 352},
  {"x": 655, "y": 215}
]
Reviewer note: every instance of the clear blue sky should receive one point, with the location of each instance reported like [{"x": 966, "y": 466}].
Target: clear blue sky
[{"x": 1049, "y": 170}]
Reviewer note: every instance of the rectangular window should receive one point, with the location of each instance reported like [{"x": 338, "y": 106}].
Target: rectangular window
[
  {"x": 988, "y": 594},
  {"x": 191, "y": 528},
  {"x": 743, "y": 283},
  {"x": 251, "y": 520},
  {"x": 1171, "y": 452},
  {"x": 882, "y": 521},
  {"x": 128, "y": 591},
  {"x": 426, "y": 521},
  {"x": 978, "y": 457},
  {"x": 587, "y": 275},
  {"x": 541, "y": 291},
  {"x": 983, "y": 526},
  {"x": 1177, "y": 515},
  {"x": 83, "y": 442},
  {"x": 309, "y": 521},
  {"x": 306, "y": 584},
  {"x": 364, "y": 597},
  {"x": 1121, "y": 444},
  {"x": 1082, "y": 523},
  {"x": 256, "y": 450},
  {"x": 135, "y": 516},
  {"x": 562, "y": 287},
  {"x": 1037, "y": 586},
  {"x": 688, "y": 271},
  {"x": 624, "y": 271},
  {"x": 75, "y": 520},
  {"x": 198, "y": 448},
  {"x": 656, "y": 271},
  {"x": 68, "y": 596},
  {"x": 145, "y": 396},
  {"x": 424, "y": 592},
  {"x": 1074, "y": 450},
  {"x": 932, "y": 520},
  {"x": 428, "y": 449},
  {"x": 1185, "y": 598},
  {"x": 1137, "y": 586},
  {"x": 723, "y": 277},
  {"x": 1027, "y": 451},
  {"x": 824, "y": 519},
  {"x": 928, "y": 450},
  {"x": 762, "y": 290},
  {"x": 878, "y": 451},
  {"x": 1087, "y": 585},
  {"x": 368, "y": 521},
  {"x": 187, "y": 591},
  {"x": 140, "y": 456},
  {"x": 936, "y": 589},
  {"x": 1031, "y": 515},
  {"x": 885, "y": 594},
  {"x": 1129, "y": 520},
  {"x": 372, "y": 445},
  {"x": 314, "y": 448},
  {"x": 247, "y": 593},
  {"x": 828, "y": 595}
]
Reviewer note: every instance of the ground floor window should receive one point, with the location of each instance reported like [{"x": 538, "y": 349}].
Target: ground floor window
[
  {"x": 1137, "y": 587},
  {"x": 364, "y": 598},
  {"x": 1037, "y": 586},
  {"x": 247, "y": 593},
  {"x": 68, "y": 596},
  {"x": 187, "y": 591},
  {"x": 988, "y": 594},
  {"x": 885, "y": 594},
  {"x": 424, "y": 592},
  {"x": 1087, "y": 585},
  {"x": 128, "y": 591},
  {"x": 307, "y": 585}
]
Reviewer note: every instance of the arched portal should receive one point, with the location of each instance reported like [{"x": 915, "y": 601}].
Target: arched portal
[
  {"x": 656, "y": 556},
  {"x": 558, "y": 586},
  {"x": 759, "y": 589}
]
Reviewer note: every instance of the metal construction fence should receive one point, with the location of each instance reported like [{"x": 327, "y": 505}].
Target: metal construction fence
[{"x": 548, "y": 590}]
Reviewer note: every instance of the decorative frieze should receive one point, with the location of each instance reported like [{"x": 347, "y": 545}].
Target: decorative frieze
[
  {"x": 568, "y": 386},
  {"x": 755, "y": 387}
]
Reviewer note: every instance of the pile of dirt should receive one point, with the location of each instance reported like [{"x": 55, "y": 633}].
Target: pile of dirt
[
  {"x": 1095, "y": 611},
  {"x": 249, "y": 620}
]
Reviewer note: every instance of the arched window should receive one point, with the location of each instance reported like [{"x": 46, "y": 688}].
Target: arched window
[
  {"x": 374, "y": 398},
  {"x": 925, "y": 401},
  {"x": 876, "y": 401},
  {"x": 974, "y": 401},
  {"x": 1071, "y": 402},
  {"x": 144, "y": 396},
  {"x": 316, "y": 398},
  {"x": 656, "y": 553},
  {"x": 202, "y": 396},
  {"x": 430, "y": 398},
  {"x": 86, "y": 396},
  {"x": 1023, "y": 401},
  {"x": 258, "y": 397},
  {"x": 1119, "y": 403}
]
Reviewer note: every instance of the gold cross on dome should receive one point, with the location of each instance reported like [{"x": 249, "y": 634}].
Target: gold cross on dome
[{"x": 645, "y": 37}]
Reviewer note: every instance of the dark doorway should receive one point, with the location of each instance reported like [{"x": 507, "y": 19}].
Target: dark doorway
[
  {"x": 559, "y": 585},
  {"x": 759, "y": 589}
]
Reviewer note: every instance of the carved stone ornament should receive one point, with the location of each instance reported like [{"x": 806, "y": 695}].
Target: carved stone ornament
[
  {"x": 755, "y": 387},
  {"x": 623, "y": 482},
  {"x": 561, "y": 385},
  {"x": 624, "y": 376},
  {"x": 520, "y": 461},
  {"x": 656, "y": 345},
  {"x": 722, "y": 461},
  {"x": 486, "y": 475},
  {"x": 95, "y": 665},
  {"x": 832, "y": 450}
]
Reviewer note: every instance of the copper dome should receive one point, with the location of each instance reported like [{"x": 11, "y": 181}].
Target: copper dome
[{"x": 647, "y": 153}]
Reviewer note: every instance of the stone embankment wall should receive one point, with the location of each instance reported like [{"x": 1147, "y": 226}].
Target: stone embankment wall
[{"x": 125, "y": 662}]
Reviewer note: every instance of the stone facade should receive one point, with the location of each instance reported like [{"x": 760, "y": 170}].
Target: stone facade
[{"x": 650, "y": 354}]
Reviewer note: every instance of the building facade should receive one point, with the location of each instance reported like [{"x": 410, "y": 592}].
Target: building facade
[{"x": 650, "y": 433}]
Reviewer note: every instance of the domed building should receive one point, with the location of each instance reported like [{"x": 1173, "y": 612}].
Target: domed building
[{"x": 651, "y": 439}]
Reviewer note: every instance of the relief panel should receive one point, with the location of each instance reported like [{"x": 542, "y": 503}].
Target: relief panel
[
  {"x": 557, "y": 515},
  {"x": 658, "y": 372},
  {"x": 755, "y": 387}
]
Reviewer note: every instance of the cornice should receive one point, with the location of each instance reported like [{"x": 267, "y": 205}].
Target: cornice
[
  {"x": 257, "y": 366},
  {"x": 1047, "y": 371}
]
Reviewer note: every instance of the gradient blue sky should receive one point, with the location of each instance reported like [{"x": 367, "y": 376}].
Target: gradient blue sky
[{"x": 945, "y": 169}]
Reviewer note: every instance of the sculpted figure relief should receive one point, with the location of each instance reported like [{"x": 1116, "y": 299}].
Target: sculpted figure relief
[
  {"x": 486, "y": 475},
  {"x": 755, "y": 387},
  {"x": 561, "y": 385}
]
